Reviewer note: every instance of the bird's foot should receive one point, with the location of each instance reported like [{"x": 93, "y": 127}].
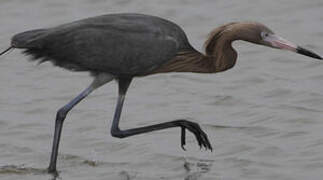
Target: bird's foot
[
  {"x": 52, "y": 171},
  {"x": 199, "y": 134}
]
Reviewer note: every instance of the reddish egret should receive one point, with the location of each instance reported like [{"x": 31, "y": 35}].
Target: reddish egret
[{"x": 124, "y": 46}]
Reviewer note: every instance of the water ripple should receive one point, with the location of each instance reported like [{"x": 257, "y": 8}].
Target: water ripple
[{"x": 21, "y": 170}]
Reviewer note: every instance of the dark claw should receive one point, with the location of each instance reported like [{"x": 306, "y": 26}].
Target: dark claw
[
  {"x": 183, "y": 140},
  {"x": 199, "y": 134},
  {"x": 208, "y": 145},
  {"x": 205, "y": 142}
]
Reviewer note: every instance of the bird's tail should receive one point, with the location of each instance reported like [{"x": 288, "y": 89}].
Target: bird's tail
[{"x": 8, "y": 49}]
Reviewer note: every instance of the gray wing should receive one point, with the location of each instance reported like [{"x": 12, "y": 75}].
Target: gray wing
[
  {"x": 122, "y": 51},
  {"x": 119, "y": 44}
]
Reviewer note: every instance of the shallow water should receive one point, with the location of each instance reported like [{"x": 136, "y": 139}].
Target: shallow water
[{"x": 263, "y": 117}]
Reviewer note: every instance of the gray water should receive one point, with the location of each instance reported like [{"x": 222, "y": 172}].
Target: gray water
[{"x": 264, "y": 117}]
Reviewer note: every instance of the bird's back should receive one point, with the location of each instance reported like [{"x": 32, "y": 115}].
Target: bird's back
[{"x": 120, "y": 44}]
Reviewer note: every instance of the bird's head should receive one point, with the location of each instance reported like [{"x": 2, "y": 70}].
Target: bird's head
[
  {"x": 269, "y": 38},
  {"x": 256, "y": 33}
]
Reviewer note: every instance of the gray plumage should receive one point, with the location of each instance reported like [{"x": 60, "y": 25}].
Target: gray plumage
[
  {"x": 119, "y": 44},
  {"x": 114, "y": 46}
]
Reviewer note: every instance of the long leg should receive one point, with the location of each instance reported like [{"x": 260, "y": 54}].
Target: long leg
[
  {"x": 99, "y": 80},
  {"x": 183, "y": 124}
]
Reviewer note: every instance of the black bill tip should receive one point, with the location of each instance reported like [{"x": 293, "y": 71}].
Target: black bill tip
[{"x": 306, "y": 52}]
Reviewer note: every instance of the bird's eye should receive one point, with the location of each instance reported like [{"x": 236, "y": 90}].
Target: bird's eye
[{"x": 264, "y": 34}]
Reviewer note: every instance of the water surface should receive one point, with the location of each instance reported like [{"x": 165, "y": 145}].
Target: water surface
[{"x": 264, "y": 117}]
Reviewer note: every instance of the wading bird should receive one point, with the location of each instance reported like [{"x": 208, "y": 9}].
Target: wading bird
[{"x": 124, "y": 46}]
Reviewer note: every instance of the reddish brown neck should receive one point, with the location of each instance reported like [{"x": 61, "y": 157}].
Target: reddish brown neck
[
  {"x": 188, "y": 61},
  {"x": 223, "y": 56},
  {"x": 221, "y": 59},
  {"x": 220, "y": 55},
  {"x": 192, "y": 61},
  {"x": 219, "y": 47}
]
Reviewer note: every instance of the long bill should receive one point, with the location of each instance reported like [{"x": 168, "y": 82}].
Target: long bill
[{"x": 281, "y": 43}]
